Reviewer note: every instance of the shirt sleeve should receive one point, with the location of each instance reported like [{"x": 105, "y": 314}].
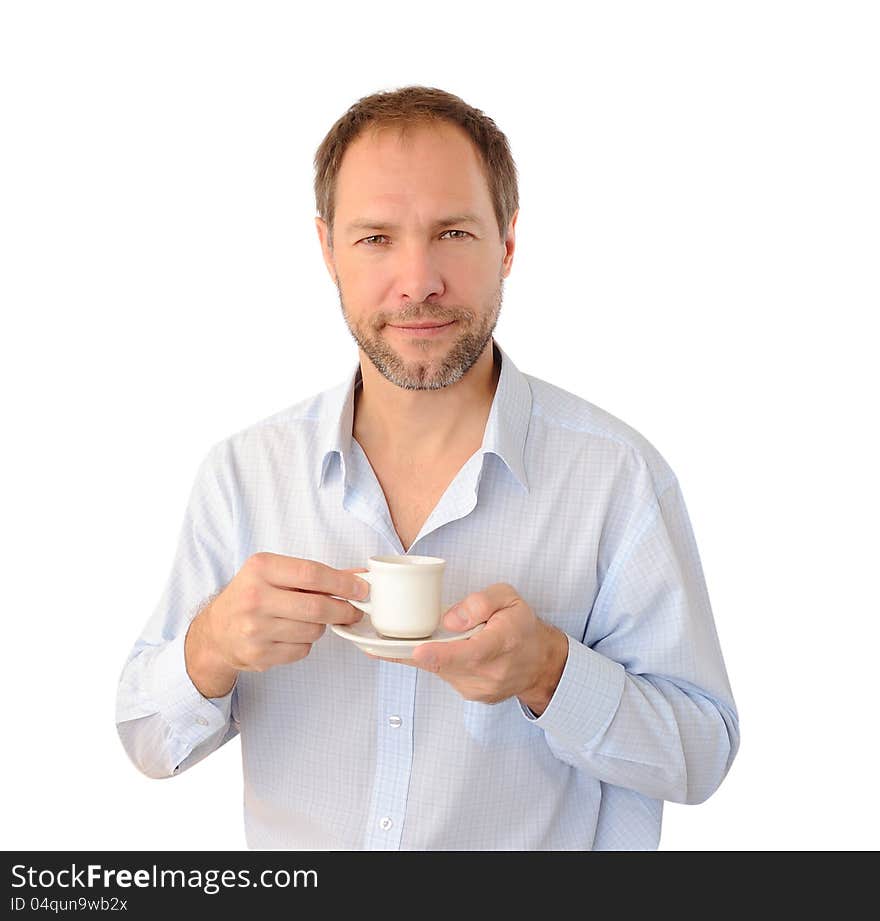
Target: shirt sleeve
[
  {"x": 644, "y": 700},
  {"x": 163, "y": 721}
]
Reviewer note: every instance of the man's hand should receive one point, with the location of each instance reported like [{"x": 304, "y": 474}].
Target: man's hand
[
  {"x": 515, "y": 654},
  {"x": 269, "y": 614}
]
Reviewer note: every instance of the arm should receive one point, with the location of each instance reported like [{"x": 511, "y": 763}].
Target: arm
[
  {"x": 164, "y": 722},
  {"x": 643, "y": 700}
]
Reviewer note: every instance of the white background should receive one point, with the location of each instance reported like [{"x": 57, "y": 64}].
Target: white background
[{"x": 697, "y": 254}]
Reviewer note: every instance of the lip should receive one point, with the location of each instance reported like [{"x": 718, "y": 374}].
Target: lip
[{"x": 423, "y": 330}]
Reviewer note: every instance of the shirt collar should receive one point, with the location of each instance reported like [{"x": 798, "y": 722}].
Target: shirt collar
[{"x": 506, "y": 427}]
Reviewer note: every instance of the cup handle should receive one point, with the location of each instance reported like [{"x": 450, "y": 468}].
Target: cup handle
[{"x": 364, "y": 606}]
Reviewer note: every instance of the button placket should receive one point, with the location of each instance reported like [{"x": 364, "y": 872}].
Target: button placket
[{"x": 395, "y": 703}]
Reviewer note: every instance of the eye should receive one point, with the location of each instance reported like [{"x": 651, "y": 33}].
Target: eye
[{"x": 375, "y": 238}]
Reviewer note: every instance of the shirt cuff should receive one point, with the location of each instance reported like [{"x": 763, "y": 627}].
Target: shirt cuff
[
  {"x": 190, "y": 716},
  {"x": 585, "y": 700}
]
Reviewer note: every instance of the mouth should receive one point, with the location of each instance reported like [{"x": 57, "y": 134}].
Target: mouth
[{"x": 422, "y": 330}]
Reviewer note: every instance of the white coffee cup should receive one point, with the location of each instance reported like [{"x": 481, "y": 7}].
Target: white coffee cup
[{"x": 405, "y": 595}]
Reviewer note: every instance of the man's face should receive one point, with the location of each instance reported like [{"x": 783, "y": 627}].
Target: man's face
[{"x": 416, "y": 242}]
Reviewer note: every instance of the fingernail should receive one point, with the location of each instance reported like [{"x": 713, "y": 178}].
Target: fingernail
[
  {"x": 361, "y": 589},
  {"x": 458, "y": 616}
]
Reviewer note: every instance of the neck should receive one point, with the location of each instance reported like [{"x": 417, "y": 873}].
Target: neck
[{"x": 424, "y": 423}]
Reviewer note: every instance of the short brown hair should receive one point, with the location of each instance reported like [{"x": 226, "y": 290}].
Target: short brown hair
[{"x": 406, "y": 107}]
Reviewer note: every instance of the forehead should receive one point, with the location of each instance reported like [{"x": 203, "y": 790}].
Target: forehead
[{"x": 433, "y": 165}]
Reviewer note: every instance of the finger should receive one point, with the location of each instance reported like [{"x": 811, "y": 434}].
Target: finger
[
  {"x": 311, "y": 607},
  {"x": 372, "y": 655},
  {"x": 293, "y": 573},
  {"x": 478, "y": 607},
  {"x": 273, "y": 654},
  {"x": 286, "y": 630},
  {"x": 462, "y": 656},
  {"x": 341, "y": 570}
]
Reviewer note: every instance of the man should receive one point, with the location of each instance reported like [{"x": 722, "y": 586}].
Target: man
[{"x": 596, "y": 689}]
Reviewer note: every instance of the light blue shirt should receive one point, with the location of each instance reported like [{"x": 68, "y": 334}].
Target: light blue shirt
[{"x": 340, "y": 751}]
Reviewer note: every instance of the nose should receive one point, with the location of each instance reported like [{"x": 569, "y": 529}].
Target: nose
[{"x": 418, "y": 275}]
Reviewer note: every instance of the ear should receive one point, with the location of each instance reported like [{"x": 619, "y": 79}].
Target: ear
[
  {"x": 326, "y": 248},
  {"x": 509, "y": 246}
]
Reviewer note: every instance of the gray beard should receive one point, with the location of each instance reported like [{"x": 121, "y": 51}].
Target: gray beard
[{"x": 428, "y": 375}]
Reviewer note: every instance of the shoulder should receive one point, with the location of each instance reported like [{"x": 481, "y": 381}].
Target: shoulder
[
  {"x": 294, "y": 425},
  {"x": 586, "y": 429}
]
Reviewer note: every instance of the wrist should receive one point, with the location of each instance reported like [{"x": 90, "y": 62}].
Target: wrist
[
  {"x": 207, "y": 669},
  {"x": 554, "y": 656}
]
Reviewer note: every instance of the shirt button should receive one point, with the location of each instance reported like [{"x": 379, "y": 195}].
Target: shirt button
[
  {"x": 395, "y": 722},
  {"x": 201, "y": 721},
  {"x": 385, "y": 823}
]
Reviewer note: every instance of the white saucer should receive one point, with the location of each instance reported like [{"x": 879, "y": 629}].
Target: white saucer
[{"x": 364, "y": 635}]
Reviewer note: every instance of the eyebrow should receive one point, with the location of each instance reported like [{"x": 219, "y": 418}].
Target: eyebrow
[{"x": 365, "y": 223}]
